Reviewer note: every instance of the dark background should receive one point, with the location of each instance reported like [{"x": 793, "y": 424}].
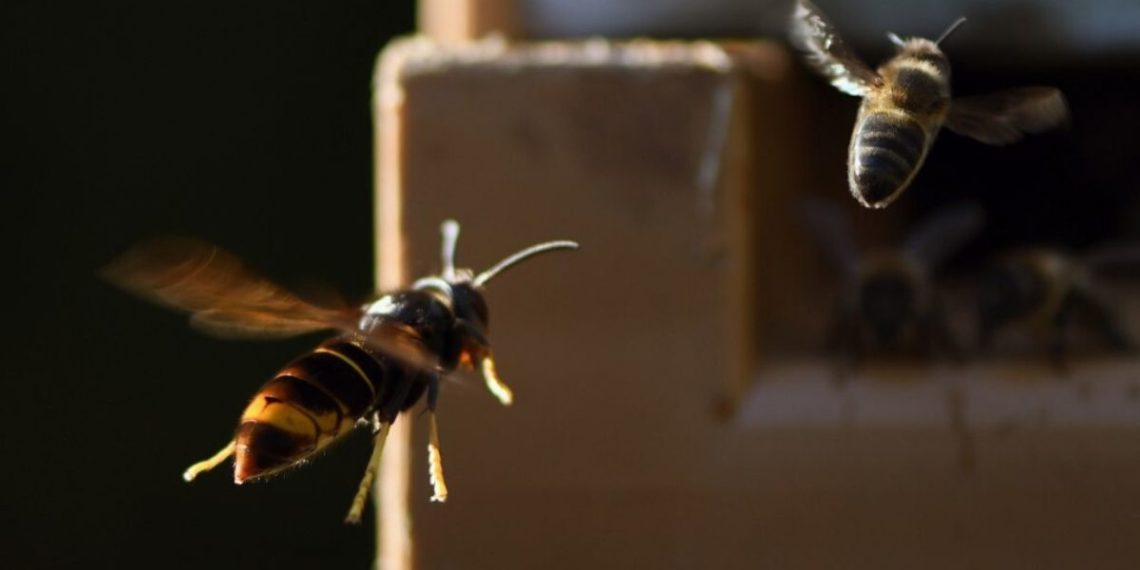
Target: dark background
[{"x": 243, "y": 123}]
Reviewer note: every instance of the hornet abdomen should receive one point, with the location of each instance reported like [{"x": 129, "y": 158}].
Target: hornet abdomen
[{"x": 307, "y": 405}]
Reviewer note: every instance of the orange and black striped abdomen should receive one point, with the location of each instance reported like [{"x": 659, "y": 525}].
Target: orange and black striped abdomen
[
  {"x": 311, "y": 402},
  {"x": 887, "y": 149}
]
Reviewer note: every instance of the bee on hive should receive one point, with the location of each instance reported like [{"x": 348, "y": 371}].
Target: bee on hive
[
  {"x": 1043, "y": 291},
  {"x": 888, "y": 300}
]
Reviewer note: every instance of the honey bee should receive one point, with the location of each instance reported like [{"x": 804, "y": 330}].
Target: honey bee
[
  {"x": 1042, "y": 291},
  {"x": 388, "y": 354},
  {"x": 907, "y": 100},
  {"x": 888, "y": 300}
]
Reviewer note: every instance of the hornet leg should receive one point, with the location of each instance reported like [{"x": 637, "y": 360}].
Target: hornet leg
[
  {"x": 480, "y": 356},
  {"x": 435, "y": 461},
  {"x": 202, "y": 466},
  {"x": 496, "y": 386},
  {"x": 380, "y": 430}
]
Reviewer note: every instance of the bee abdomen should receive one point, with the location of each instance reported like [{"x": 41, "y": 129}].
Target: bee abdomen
[{"x": 886, "y": 150}]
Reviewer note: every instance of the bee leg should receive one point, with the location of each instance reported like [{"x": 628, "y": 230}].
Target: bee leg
[
  {"x": 202, "y": 466},
  {"x": 435, "y": 461},
  {"x": 985, "y": 335},
  {"x": 1106, "y": 322},
  {"x": 833, "y": 346},
  {"x": 1058, "y": 344},
  {"x": 833, "y": 342},
  {"x": 1058, "y": 353},
  {"x": 942, "y": 336},
  {"x": 380, "y": 434},
  {"x": 928, "y": 341},
  {"x": 846, "y": 344},
  {"x": 956, "y": 403}
]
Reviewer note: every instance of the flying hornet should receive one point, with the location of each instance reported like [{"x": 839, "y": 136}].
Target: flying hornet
[{"x": 387, "y": 355}]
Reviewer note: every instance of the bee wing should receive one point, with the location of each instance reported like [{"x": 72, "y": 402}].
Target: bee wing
[
  {"x": 222, "y": 295},
  {"x": 1113, "y": 256},
  {"x": 1006, "y": 116},
  {"x": 944, "y": 233},
  {"x": 832, "y": 229},
  {"x": 813, "y": 34}
]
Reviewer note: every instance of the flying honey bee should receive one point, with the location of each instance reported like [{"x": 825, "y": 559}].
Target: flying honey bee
[
  {"x": 907, "y": 100},
  {"x": 1043, "y": 291},
  {"x": 888, "y": 300},
  {"x": 388, "y": 354}
]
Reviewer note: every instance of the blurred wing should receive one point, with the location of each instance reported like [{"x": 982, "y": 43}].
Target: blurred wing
[
  {"x": 944, "y": 233},
  {"x": 1006, "y": 116},
  {"x": 223, "y": 297},
  {"x": 389, "y": 337},
  {"x": 825, "y": 51},
  {"x": 832, "y": 229},
  {"x": 1113, "y": 256},
  {"x": 241, "y": 324}
]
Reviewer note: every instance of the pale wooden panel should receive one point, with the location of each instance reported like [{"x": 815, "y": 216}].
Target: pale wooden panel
[
  {"x": 639, "y": 151},
  {"x": 450, "y": 21},
  {"x": 611, "y": 457}
]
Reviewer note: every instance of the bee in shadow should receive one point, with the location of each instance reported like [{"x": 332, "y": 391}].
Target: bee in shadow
[
  {"x": 1043, "y": 291},
  {"x": 887, "y": 300}
]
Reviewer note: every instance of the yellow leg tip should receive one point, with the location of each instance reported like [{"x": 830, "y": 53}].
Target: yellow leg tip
[
  {"x": 496, "y": 386},
  {"x": 200, "y": 467},
  {"x": 435, "y": 472},
  {"x": 435, "y": 463},
  {"x": 354, "y": 515}
]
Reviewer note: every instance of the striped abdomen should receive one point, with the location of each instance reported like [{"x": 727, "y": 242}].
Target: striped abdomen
[
  {"x": 310, "y": 403},
  {"x": 887, "y": 149}
]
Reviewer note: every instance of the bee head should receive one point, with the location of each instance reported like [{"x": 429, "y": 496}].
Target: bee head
[
  {"x": 921, "y": 45},
  {"x": 923, "y": 49},
  {"x": 463, "y": 288}
]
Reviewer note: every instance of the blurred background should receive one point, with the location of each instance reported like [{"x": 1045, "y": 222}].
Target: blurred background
[{"x": 250, "y": 125}]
